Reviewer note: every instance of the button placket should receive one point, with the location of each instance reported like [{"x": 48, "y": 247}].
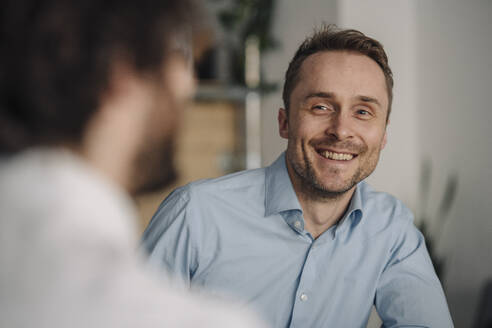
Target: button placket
[{"x": 300, "y": 313}]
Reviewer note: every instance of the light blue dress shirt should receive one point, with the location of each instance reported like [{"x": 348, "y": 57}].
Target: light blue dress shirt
[{"x": 243, "y": 235}]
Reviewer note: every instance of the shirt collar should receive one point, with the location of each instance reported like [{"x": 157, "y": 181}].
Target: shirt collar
[
  {"x": 356, "y": 201},
  {"x": 354, "y": 212},
  {"x": 279, "y": 192}
]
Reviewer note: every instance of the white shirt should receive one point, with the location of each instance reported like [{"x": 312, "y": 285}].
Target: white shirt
[{"x": 68, "y": 254}]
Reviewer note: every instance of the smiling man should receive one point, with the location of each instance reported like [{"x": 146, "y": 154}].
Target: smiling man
[
  {"x": 306, "y": 241},
  {"x": 335, "y": 123}
]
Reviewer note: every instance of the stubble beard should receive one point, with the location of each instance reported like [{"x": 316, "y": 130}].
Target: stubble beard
[
  {"x": 313, "y": 188},
  {"x": 154, "y": 164}
]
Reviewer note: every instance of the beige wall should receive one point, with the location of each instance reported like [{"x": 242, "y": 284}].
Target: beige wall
[{"x": 454, "y": 129}]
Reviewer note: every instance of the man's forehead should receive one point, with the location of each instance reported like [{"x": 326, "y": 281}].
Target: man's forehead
[
  {"x": 333, "y": 71},
  {"x": 335, "y": 60}
]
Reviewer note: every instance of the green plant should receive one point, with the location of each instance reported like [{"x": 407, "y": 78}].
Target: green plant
[{"x": 243, "y": 19}]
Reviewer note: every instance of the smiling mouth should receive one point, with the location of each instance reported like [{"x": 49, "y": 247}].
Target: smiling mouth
[{"x": 336, "y": 156}]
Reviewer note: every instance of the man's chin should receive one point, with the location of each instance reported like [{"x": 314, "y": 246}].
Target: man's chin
[
  {"x": 331, "y": 192},
  {"x": 329, "y": 188}
]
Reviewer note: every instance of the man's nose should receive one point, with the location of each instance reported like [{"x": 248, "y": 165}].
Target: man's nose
[{"x": 340, "y": 126}]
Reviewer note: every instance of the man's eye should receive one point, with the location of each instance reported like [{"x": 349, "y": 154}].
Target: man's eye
[
  {"x": 364, "y": 113},
  {"x": 320, "y": 107}
]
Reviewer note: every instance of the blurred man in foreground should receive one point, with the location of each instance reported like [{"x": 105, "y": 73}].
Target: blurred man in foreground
[
  {"x": 90, "y": 93},
  {"x": 306, "y": 240}
]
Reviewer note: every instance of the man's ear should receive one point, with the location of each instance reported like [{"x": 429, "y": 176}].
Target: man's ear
[{"x": 283, "y": 123}]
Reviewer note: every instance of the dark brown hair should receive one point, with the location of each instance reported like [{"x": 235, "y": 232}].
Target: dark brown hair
[
  {"x": 329, "y": 38},
  {"x": 56, "y": 58}
]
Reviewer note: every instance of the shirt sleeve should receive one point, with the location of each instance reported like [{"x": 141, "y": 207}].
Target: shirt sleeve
[
  {"x": 409, "y": 293},
  {"x": 168, "y": 241}
]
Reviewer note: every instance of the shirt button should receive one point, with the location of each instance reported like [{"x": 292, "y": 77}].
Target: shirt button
[
  {"x": 297, "y": 224},
  {"x": 304, "y": 297}
]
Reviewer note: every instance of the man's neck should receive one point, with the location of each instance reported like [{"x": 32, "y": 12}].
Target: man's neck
[{"x": 322, "y": 214}]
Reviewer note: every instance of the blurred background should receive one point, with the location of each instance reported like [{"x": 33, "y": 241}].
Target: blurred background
[{"x": 438, "y": 159}]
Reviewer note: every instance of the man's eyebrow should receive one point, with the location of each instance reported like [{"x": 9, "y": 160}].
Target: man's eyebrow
[
  {"x": 319, "y": 95},
  {"x": 369, "y": 100},
  {"x": 330, "y": 95}
]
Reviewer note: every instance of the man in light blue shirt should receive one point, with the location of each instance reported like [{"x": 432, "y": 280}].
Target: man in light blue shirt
[{"x": 305, "y": 241}]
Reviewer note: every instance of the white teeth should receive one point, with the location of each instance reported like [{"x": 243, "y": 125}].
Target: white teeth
[{"x": 337, "y": 156}]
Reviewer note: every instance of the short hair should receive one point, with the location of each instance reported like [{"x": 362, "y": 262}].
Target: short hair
[
  {"x": 56, "y": 58},
  {"x": 330, "y": 38}
]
